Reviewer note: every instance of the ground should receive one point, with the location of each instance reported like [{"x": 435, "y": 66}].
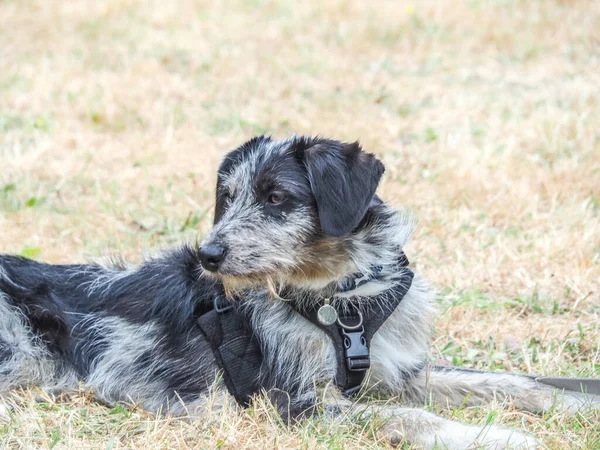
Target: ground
[{"x": 115, "y": 113}]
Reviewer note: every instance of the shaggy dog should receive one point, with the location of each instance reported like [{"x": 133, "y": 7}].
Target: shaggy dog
[{"x": 297, "y": 229}]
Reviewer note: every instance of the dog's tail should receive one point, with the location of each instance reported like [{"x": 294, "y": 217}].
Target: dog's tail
[{"x": 455, "y": 387}]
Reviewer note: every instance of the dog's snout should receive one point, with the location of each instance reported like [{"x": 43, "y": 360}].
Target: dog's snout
[{"x": 211, "y": 256}]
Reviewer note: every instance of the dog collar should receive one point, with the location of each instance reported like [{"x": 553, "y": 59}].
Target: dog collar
[{"x": 359, "y": 279}]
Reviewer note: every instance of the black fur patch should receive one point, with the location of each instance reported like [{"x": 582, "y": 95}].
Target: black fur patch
[
  {"x": 343, "y": 179},
  {"x": 168, "y": 293}
]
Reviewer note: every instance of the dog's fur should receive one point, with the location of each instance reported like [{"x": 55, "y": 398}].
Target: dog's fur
[{"x": 293, "y": 216}]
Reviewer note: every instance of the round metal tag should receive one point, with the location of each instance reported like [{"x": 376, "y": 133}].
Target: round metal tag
[{"x": 327, "y": 314}]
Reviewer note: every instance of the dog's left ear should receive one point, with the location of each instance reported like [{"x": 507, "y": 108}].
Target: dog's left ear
[{"x": 343, "y": 180}]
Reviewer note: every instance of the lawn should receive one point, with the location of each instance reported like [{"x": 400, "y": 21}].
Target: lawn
[{"x": 114, "y": 115}]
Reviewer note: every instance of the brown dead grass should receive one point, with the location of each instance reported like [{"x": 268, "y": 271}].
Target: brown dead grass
[{"x": 114, "y": 114}]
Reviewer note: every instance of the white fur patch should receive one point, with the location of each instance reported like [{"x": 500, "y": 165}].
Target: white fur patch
[{"x": 28, "y": 361}]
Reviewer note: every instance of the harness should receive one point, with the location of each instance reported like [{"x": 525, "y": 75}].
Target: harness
[{"x": 349, "y": 324}]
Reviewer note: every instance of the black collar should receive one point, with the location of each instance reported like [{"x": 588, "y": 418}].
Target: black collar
[{"x": 358, "y": 279}]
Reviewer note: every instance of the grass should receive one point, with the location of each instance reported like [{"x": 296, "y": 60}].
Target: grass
[{"x": 114, "y": 115}]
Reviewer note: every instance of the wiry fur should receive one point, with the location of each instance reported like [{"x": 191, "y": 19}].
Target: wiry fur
[{"x": 130, "y": 333}]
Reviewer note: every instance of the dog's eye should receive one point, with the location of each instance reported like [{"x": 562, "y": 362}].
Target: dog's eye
[{"x": 276, "y": 198}]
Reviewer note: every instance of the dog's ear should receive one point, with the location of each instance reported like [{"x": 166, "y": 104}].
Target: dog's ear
[{"x": 343, "y": 180}]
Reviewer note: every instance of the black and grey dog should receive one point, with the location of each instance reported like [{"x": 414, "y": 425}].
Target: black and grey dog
[{"x": 314, "y": 261}]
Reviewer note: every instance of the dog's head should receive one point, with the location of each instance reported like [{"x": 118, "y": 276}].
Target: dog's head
[{"x": 285, "y": 209}]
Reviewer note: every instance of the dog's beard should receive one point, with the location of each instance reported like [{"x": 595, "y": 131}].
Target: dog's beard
[
  {"x": 234, "y": 286},
  {"x": 306, "y": 276},
  {"x": 317, "y": 265}
]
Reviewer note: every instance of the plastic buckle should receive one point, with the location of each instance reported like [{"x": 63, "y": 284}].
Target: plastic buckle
[
  {"x": 356, "y": 351},
  {"x": 218, "y": 304}
]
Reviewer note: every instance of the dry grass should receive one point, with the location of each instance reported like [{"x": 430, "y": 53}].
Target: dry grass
[{"x": 114, "y": 114}]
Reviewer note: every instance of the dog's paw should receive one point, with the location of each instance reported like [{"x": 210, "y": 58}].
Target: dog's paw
[
  {"x": 456, "y": 436},
  {"x": 489, "y": 438},
  {"x": 497, "y": 438}
]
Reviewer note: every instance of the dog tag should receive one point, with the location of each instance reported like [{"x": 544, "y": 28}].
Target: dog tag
[{"x": 327, "y": 314}]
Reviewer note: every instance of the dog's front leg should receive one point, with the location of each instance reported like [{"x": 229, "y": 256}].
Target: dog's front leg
[
  {"x": 422, "y": 429},
  {"x": 428, "y": 431}
]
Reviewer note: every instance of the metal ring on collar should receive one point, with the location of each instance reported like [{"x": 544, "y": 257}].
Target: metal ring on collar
[{"x": 351, "y": 327}]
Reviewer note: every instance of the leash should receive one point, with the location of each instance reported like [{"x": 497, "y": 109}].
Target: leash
[{"x": 580, "y": 385}]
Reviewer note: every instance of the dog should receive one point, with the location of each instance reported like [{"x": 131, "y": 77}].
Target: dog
[{"x": 294, "y": 219}]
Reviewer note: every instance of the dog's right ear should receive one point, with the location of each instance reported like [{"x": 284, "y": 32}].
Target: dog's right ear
[{"x": 343, "y": 179}]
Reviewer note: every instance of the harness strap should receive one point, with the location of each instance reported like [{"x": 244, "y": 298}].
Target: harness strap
[
  {"x": 236, "y": 349},
  {"x": 351, "y": 350},
  {"x": 352, "y": 333}
]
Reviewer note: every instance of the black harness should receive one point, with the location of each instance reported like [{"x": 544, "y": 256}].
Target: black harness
[
  {"x": 236, "y": 349},
  {"x": 351, "y": 328}
]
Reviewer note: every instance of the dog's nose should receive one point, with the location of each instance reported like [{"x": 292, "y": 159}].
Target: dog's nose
[{"x": 211, "y": 256}]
